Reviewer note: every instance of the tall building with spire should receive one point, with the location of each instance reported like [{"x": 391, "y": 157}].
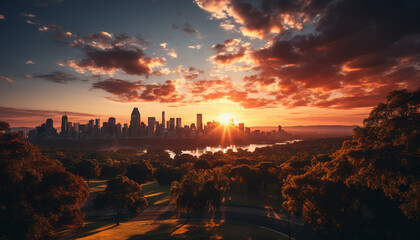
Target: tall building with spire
[{"x": 134, "y": 123}]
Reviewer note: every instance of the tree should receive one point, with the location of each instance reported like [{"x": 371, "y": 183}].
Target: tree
[
  {"x": 88, "y": 168},
  {"x": 384, "y": 154},
  {"x": 166, "y": 174},
  {"x": 370, "y": 187},
  {"x": 201, "y": 164},
  {"x": 184, "y": 158},
  {"x": 198, "y": 191},
  {"x": 122, "y": 193},
  {"x": 36, "y": 195},
  {"x": 140, "y": 172},
  {"x": 4, "y": 126},
  {"x": 110, "y": 171}
]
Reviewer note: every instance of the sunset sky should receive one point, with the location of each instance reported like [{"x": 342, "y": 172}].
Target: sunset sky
[{"x": 303, "y": 62}]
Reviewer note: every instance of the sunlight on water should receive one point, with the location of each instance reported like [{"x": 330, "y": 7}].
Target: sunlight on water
[{"x": 250, "y": 147}]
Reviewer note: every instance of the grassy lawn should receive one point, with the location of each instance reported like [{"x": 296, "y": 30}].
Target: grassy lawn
[
  {"x": 170, "y": 229},
  {"x": 155, "y": 193},
  {"x": 159, "y": 195},
  {"x": 96, "y": 186},
  {"x": 265, "y": 198}
]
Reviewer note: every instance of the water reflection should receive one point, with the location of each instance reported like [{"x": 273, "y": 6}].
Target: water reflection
[{"x": 250, "y": 147}]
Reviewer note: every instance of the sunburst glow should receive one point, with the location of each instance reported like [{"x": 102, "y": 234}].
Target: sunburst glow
[{"x": 226, "y": 118}]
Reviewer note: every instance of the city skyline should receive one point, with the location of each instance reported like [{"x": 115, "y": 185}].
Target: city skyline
[
  {"x": 225, "y": 130},
  {"x": 206, "y": 56}
]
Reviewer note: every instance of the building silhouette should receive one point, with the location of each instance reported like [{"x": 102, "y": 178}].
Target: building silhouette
[
  {"x": 134, "y": 128},
  {"x": 199, "y": 122},
  {"x": 64, "y": 121}
]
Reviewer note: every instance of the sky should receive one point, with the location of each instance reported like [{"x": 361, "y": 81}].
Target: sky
[{"x": 265, "y": 63}]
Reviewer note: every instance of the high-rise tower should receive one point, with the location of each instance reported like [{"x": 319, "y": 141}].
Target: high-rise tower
[
  {"x": 64, "y": 121},
  {"x": 151, "y": 126},
  {"x": 199, "y": 122},
  {"x": 135, "y": 122},
  {"x": 163, "y": 119}
]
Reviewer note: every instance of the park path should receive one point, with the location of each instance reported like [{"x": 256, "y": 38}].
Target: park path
[{"x": 265, "y": 218}]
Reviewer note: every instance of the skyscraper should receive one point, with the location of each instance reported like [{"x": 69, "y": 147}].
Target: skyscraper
[
  {"x": 241, "y": 127},
  {"x": 163, "y": 119},
  {"x": 111, "y": 125},
  {"x": 151, "y": 123},
  {"x": 171, "y": 124},
  {"x": 134, "y": 123},
  {"x": 97, "y": 123},
  {"x": 64, "y": 121},
  {"x": 199, "y": 122},
  {"x": 135, "y": 118},
  {"x": 178, "y": 123}
]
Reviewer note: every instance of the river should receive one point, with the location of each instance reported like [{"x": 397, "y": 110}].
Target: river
[{"x": 250, "y": 147}]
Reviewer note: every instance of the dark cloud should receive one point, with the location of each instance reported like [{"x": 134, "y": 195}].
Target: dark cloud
[
  {"x": 105, "y": 53},
  {"x": 57, "y": 77},
  {"x": 230, "y": 57},
  {"x": 229, "y": 51},
  {"x": 126, "y": 91},
  {"x": 130, "y": 61},
  {"x": 186, "y": 27},
  {"x": 371, "y": 46}
]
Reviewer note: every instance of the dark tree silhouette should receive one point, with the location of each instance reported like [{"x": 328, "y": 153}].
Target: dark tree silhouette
[
  {"x": 166, "y": 174},
  {"x": 140, "y": 172},
  {"x": 370, "y": 187},
  {"x": 384, "y": 154},
  {"x": 122, "y": 193},
  {"x": 36, "y": 195},
  {"x": 184, "y": 158},
  {"x": 198, "y": 191},
  {"x": 202, "y": 164},
  {"x": 108, "y": 171},
  {"x": 88, "y": 168},
  {"x": 4, "y": 126}
]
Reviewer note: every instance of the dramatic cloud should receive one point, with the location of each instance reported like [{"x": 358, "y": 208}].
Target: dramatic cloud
[
  {"x": 215, "y": 7},
  {"x": 6, "y": 79},
  {"x": 106, "y": 53},
  {"x": 126, "y": 91},
  {"x": 336, "y": 54},
  {"x": 225, "y": 89},
  {"x": 57, "y": 77},
  {"x": 229, "y": 52}
]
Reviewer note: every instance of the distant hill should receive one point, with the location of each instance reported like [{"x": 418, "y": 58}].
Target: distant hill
[{"x": 313, "y": 131}]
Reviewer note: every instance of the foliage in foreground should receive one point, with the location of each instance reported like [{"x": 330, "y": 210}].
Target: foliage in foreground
[
  {"x": 122, "y": 193},
  {"x": 37, "y": 195},
  {"x": 198, "y": 191}
]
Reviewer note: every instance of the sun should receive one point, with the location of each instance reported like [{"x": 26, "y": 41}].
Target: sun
[{"x": 226, "y": 118}]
